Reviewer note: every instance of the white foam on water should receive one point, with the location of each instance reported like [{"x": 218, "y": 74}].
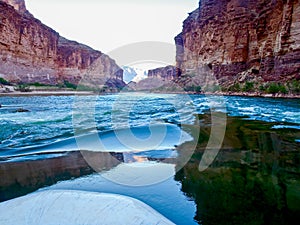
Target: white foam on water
[
  {"x": 162, "y": 136},
  {"x": 286, "y": 127}
]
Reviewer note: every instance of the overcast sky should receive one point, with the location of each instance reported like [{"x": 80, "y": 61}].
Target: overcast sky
[{"x": 109, "y": 24}]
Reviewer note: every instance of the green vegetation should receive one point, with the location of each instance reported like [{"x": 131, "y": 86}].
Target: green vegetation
[
  {"x": 81, "y": 87},
  {"x": 3, "y": 81},
  {"x": 224, "y": 89},
  {"x": 193, "y": 88},
  {"x": 67, "y": 84},
  {"x": 235, "y": 88},
  {"x": 248, "y": 87},
  {"x": 262, "y": 88},
  {"x": 198, "y": 89},
  {"x": 166, "y": 88},
  {"x": 37, "y": 84},
  {"x": 274, "y": 88},
  {"x": 213, "y": 88},
  {"x": 294, "y": 86},
  {"x": 23, "y": 88}
]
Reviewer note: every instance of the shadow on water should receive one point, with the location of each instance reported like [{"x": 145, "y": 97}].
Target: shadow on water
[{"x": 255, "y": 178}]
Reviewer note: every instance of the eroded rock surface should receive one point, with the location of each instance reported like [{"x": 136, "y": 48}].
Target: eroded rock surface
[
  {"x": 165, "y": 73},
  {"x": 32, "y": 52},
  {"x": 242, "y": 40}
]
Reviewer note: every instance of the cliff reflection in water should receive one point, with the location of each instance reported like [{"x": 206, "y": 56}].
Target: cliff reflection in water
[
  {"x": 22, "y": 177},
  {"x": 253, "y": 180}
]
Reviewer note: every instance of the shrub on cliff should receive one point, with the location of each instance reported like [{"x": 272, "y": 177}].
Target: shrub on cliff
[
  {"x": 212, "y": 88},
  {"x": 262, "y": 88},
  {"x": 67, "y": 84},
  {"x": 294, "y": 86},
  {"x": 248, "y": 87},
  {"x": 23, "y": 88},
  {"x": 37, "y": 84},
  {"x": 3, "y": 81},
  {"x": 235, "y": 88},
  {"x": 276, "y": 88},
  {"x": 193, "y": 88}
]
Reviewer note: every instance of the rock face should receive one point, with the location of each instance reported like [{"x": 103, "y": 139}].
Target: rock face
[
  {"x": 18, "y": 5},
  {"x": 242, "y": 40},
  {"x": 165, "y": 73},
  {"x": 32, "y": 52}
]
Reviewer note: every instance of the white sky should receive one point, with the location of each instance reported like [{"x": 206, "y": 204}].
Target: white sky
[{"x": 109, "y": 24}]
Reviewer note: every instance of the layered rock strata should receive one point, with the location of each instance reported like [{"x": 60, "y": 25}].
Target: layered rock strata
[
  {"x": 242, "y": 40},
  {"x": 165, "y": 73},
  {"x": 32, "y": 52}
]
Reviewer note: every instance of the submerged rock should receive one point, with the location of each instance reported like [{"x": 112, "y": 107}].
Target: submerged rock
[{"x": 20, "y": 110}]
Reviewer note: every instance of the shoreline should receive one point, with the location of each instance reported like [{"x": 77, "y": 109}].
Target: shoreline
[
  {"x": 45, "y": 93},
  {"x": 86, "y": 93},
  {"x": 255, "y": 94},
  {"x": 241, "y": 94}
]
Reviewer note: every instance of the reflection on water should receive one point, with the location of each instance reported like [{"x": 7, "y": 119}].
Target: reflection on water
[{"x": 254, "y": 179}]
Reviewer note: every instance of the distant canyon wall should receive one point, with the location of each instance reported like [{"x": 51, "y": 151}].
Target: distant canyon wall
[
  {"x": 255, "y": 40},
  {"x": 165, "y": 73},
  {"x": 32, "y": 52}
]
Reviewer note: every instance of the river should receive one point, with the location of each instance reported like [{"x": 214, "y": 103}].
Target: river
[{"x": 152, "y": 146}]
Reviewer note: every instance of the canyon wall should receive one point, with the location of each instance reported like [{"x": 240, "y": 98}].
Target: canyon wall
[
  {"x": 32, "y": 52},
  {"x": 165, "y": 73},
  {"x": 19, "y": 5},
  {"x": 239, "y": 41}
]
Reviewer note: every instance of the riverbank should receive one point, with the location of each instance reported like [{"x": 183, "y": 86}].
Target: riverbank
[
  {"x": 242, "y": 94},
  {"x": 10, "y": 91},
  {"x": 46, "y": 93},
  {"x": 254, "y": 94},
  {"x": 70, "y": 93}
]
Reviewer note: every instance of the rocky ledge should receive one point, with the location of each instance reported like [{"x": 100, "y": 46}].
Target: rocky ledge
[{"x": 31, "y": 52}]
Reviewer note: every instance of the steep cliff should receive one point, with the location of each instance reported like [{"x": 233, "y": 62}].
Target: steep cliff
[
  {"x": 32, "y": 52},
  {"x": 165, "y": 73},
  {"x": 242, "y": 41},
  {"x": 19, "y": 5}
]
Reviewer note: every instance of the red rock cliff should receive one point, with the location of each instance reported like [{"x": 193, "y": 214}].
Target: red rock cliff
[
  {"x": 242, "y": 40},
  {"x": 165, "y": 73},
  {"x": 19, "y": 5},
  {"x": 32, "y": 52}
]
